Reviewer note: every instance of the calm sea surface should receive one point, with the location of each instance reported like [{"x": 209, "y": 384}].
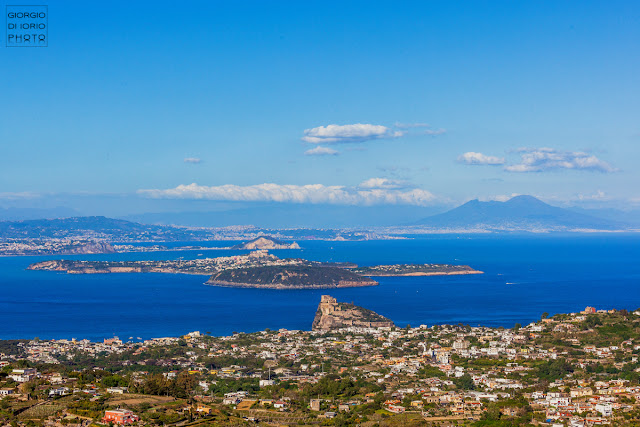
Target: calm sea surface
[{"x": 524, "y": 277}]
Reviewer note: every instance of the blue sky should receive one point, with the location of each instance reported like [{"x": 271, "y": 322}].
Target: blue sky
[{"x": 364, "y": 103}]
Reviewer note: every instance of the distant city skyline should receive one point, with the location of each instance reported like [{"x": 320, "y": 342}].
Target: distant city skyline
[{"x": 209, "y": 105}]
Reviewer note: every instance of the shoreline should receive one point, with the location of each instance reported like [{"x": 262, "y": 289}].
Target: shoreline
[
  {"x": 179, "y": 249},
  {"x": 133, "y": 270},
  {"x": 443, "y": 273},
  {"x": 280, "y": 286},
  {"x": 251, "y": 268}
]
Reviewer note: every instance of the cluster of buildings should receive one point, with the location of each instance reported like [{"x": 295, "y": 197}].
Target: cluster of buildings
[
  {"x": 439, "y": 372},
  {"x": 16, "y": 247}
]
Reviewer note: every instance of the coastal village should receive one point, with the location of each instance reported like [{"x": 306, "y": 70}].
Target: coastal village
[{"x": 577, "y": 369}]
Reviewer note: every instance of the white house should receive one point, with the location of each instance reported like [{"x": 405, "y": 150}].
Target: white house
[
  {"x": 6, "y": 391},
  {"x": 605, "y": 409},
  {"x": 23, "y": 375}
]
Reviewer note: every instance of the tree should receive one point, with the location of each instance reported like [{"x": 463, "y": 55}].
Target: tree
[
  {"x": 114, "y": 381},
  {"x": 465, "y": 382},
  {"x": 553, "y": 370},
  {"x": 592, "y": 320}
]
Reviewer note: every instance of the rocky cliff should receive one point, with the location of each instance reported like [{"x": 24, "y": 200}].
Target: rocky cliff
[
  {"x": 335, "y": 315},
  {"x": 266, "y": 242},
  {"x": 96, "y": 247}
]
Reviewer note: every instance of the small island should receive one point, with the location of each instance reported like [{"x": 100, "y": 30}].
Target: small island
[
  {"x": 332, "y": 315},
  {"x": 259, "y": 269}
]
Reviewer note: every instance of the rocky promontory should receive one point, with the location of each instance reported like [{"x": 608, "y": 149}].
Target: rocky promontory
[
  {"x": 266, "y": 242},
  {"x": 95, "y": 247},
  {"x": 332, "y": 314}
]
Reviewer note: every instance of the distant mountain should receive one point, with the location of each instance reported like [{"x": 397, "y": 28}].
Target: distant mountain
[
  {"x": 92, "y": 227},
  {"x": 117, "y": 230},
  {"x": 291, "y": 215},
  {"x": 521, "y": 213}
]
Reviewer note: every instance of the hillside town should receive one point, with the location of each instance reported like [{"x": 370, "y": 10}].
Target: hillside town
[{"x": 578, "y": 369}]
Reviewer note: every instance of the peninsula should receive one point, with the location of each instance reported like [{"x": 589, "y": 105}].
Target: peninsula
[
  {"x": 415, "y": 270},
  {"x": 259, "y": 269},
  {"x": 205, "y": 266}
]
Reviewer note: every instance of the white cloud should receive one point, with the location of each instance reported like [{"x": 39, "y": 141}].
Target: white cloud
[
  {"x": 545, "y": 159},
  {"x": 540, "y": 160},
  {"x": 313, "y": 193},
  {"x": 361, "y": 132},
  {"x": 334, "y": 134},
  {"x": 193, "y": 160},
  {"x": 473, "y": 158},
  {"x": 321, "y": 151},
  {"x": 383, "y": 183}
]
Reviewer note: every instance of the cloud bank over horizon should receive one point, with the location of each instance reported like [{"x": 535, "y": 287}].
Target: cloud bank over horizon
[{"x": 375, "y": 191}]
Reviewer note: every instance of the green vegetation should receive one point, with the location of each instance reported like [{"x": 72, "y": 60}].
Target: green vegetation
[
  {"x": 360, "y": 375},
  {"x": 294, "y": 276},
  {"x": 411, "y": 269},
  {"x": 553, "y": 369}
]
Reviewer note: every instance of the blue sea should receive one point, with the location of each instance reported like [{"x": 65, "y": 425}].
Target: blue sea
[{"x": 525, "y": 275}]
